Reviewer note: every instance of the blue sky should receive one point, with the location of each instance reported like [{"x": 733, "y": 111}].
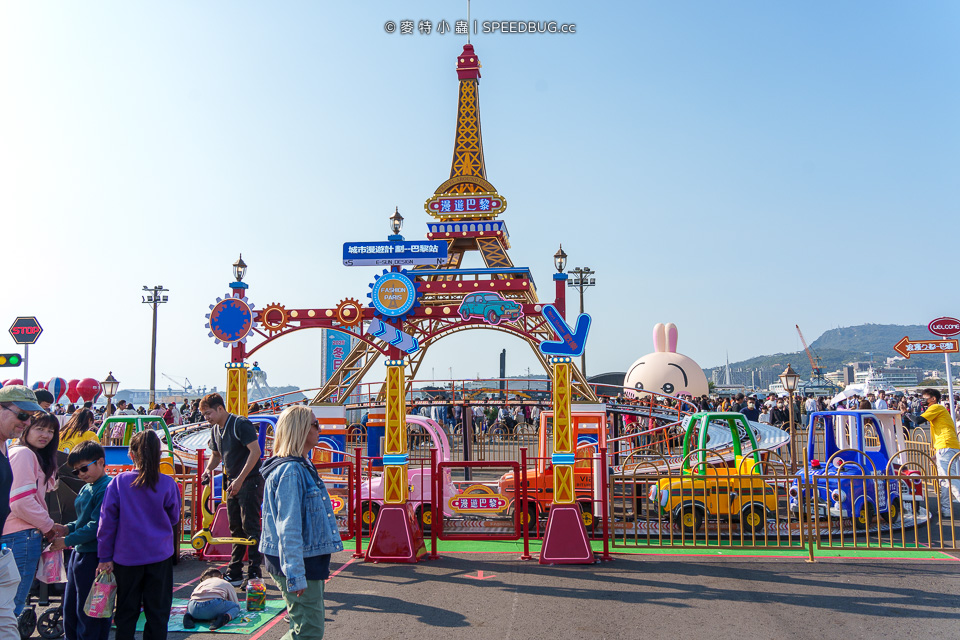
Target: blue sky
[{"x": 697, "y": 155}]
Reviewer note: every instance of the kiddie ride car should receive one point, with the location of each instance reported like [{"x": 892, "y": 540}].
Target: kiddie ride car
[
  {"x": 419, "y": 482},
  {"x": 857, "y": 445},
  {"x": 589, "y": 427},
  {"x": 708, "y": 490}
]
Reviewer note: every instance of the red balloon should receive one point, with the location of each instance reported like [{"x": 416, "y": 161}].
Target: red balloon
[
  {"x": 13, "y": 381},
  {"x": 89, "y": 389},
  {"x": 72, "y": 394}
]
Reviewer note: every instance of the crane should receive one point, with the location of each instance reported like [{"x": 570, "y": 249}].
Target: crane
[
  {"x": 815, "y": 367},
  {"x": 186, "y": 385}
]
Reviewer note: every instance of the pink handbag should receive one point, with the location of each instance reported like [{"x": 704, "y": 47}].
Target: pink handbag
[
  {"x": 51, "y": 569},
  {"x": 102, "y": 597}
]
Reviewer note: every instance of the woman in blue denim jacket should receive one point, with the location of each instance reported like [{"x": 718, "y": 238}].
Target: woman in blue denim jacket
[{"x": 299, "y": 527}]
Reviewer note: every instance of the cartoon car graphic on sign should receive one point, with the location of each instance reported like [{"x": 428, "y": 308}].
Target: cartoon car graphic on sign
[{"x": 489, "y": 306}]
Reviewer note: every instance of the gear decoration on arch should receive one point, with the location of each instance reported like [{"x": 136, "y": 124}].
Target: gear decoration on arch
[
  {"x": 393, "y": 295},
  {"x": 349, "y": 312},
  {"x": 274, "y": 318},
  {"x": 230, "y": 320}
]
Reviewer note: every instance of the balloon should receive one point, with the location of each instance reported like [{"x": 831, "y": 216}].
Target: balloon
[
  {"x": 72, "y": 394},
  {"x": 38, "y": 385},
  {"x": 89, "y": 389},
  {"x": 13, "y": 381},
  {"x": 57, "y": 386}
]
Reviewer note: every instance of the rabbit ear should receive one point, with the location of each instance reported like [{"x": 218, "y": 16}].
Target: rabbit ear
[
  {"x": 671, "y": 337},
  {"x": 659, "y": 337}
]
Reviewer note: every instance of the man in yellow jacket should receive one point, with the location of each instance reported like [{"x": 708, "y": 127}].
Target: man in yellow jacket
[{"x": 943, "y": 434}]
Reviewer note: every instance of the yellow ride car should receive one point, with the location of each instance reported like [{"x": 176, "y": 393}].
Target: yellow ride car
[{"x": 717, "y": 491}]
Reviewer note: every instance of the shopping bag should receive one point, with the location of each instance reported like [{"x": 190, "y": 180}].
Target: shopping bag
[
  {"x": 51, "y": 569},
  {"x": 102, "y": 597}
]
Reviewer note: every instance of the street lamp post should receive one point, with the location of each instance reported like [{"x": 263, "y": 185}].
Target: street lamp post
[
  {"x": 581, "y": 280},
  {"x": 559, "y": 280},
  {"x": 153, "y": 296},
  {"x": 109, "y": 387},
  {"x": 789, "y": 378}
]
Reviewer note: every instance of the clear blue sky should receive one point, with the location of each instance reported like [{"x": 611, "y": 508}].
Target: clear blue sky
[{"x": 698, "y": 155}]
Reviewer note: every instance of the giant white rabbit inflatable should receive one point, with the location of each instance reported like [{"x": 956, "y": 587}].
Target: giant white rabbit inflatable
[{"x": 665, "y": 370}]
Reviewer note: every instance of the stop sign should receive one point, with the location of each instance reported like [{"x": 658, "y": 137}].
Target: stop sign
[{"x": 25, "y": 330}]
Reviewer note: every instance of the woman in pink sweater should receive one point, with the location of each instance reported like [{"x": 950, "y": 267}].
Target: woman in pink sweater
[{"x": 34, "y": 465}]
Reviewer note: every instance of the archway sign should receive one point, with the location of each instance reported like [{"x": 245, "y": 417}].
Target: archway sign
[{"x": 425, "y": 294}]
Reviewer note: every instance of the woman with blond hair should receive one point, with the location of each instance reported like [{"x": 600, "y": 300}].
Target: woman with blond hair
[{"x": 300, "y": 530}]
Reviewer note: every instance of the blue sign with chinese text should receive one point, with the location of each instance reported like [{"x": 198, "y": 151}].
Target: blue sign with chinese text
[{"x": 395, "y": 253}]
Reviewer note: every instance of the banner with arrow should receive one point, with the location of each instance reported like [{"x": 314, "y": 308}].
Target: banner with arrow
[
  {"x": 403, "y": 341},
  {"x": 572, "y": 341},
  {"x": 907, "y": 347}
]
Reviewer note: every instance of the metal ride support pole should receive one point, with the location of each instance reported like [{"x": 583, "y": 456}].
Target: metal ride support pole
[
  {"x": 237, "y": 370},
  {"x": 605, "y": 505},
  {"x": 524, "y": 505},
  {"x": 26, "y": 365},
  {"x": 396, "y": 536},
  {"x": 565, "y": 540},
  {"x": 198, "y": 495},
  {"x": 357, "y": 507},
  {"x": 435, "y": 513},
  {"x": 467, "y": 434}
]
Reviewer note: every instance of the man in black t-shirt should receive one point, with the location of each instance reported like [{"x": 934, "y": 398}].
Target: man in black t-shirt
[
  {"x": 17, "y": 405},
  {"x": 234, "y": 440}
]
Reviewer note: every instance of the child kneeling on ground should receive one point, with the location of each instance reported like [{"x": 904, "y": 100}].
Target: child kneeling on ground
[
  {"x": 87, "y": 461},
  {"x": 213, "y": 599}
]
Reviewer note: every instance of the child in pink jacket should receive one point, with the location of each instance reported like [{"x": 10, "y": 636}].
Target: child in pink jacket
[{"x": 34, "y": 465}]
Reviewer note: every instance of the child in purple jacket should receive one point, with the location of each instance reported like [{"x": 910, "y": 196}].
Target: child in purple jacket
[{"x": 135, "y": 540}]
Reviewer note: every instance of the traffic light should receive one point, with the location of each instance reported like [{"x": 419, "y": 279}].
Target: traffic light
[{"x": 10, "y": 360}]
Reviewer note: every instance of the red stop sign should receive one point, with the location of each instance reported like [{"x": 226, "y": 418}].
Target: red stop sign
[{"x": 25, "y": 330}]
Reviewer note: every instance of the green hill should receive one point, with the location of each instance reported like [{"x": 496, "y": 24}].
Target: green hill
[{"x": 849, "y": 344}]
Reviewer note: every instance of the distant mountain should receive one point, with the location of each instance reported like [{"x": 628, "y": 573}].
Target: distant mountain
[
  {"x": 871, "y": 338},
  {"x": 850, "y": 344}
]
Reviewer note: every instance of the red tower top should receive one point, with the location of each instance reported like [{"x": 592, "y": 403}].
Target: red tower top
[{"x": 468, "y": 64}]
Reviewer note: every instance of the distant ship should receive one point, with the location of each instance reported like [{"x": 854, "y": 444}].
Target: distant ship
[{"x": 873, "y": 383}]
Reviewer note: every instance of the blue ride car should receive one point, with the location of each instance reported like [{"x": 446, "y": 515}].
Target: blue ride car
[
  {"x": 490, "y": 307},
  {"x": 857, "y": 445}
]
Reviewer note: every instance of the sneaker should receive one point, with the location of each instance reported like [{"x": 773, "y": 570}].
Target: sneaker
[
  {"x": 188, "y": 621},
  {"x": 253, "y": 573},
  {"x": 235, "y": 580},
  {"x": 221, "y": 620}
]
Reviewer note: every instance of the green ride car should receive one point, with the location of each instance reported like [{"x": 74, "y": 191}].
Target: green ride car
[{"x": 490, "y": 307}]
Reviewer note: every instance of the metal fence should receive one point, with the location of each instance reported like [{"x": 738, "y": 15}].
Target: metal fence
[
  {"x": 651, "y": 499},
  {"x": 837, "y": 503}
]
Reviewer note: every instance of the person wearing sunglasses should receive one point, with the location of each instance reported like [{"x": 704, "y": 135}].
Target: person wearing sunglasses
[
  {"x": 34, "y": 465},
  {"x": 17, "y": 404},
  {"x": 86, "y": 460},
  {"x": 300, "y": 530}
]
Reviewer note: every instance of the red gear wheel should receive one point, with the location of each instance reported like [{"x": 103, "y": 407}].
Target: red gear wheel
[
  {"x": 349, "y": 312},
  {"x": 274, "y": 317}
]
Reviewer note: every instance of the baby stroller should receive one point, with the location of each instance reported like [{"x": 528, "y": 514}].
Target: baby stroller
[{"x": 49, "y": 623}]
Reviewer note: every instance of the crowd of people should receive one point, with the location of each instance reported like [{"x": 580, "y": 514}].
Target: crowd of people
[
  {"x": 125, "y": 525},
  {"x": 173, "y": 414}
]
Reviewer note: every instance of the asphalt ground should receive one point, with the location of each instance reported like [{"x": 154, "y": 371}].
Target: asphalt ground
[{"x": 715, "y": 594}]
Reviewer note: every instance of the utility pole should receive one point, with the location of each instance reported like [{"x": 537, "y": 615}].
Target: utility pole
[
  {"x": 152, "y": 296},
  {"x": 581, "y": 280}
]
